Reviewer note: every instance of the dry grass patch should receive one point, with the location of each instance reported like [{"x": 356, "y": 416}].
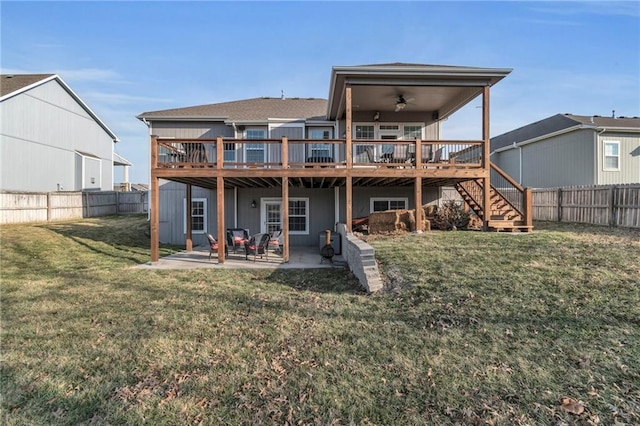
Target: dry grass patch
[{"x": 483, "y": 329}]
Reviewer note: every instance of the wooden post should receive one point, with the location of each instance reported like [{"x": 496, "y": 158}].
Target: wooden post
[
  {"x": 189, "y": 241},
  {"x": 349, "y": 118},
  {"x": 219, "y": 155},
  {"x": 348, "y": 204},
  {"x": 285, "y": 219},
  {"x": 612, "y": 206},
  {"x": 486, "y": 161},
  {"x": 528, "y": 207},
  {"x": 559, "y": 204},
  {"x": 418, "y": 202},
  {"x": 285, "y": 153},
  {"x": 155, "y": 218},
  {"x": 220, "y": 214},
  {"x": 418, "y": 154}
]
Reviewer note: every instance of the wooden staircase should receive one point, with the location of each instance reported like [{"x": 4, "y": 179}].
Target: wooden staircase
[{"x": 510, "y": 203}]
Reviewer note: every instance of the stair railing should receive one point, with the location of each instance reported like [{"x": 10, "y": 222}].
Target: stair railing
[{"x": 518, "y": 196}]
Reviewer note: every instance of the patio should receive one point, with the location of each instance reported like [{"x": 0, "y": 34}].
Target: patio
[{"x": 299, "y": 258}]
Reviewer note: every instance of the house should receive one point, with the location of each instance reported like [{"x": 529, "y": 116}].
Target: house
[
  {"x": 303, "y": 164},
  {"x": 50, "y": 140},
  {"x": 571, "y": 150}
]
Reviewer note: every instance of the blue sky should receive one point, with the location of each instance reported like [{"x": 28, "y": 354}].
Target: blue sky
[{"x": 124, "y": 58}]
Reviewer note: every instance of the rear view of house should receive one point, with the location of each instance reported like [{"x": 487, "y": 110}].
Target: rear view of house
[
  {"x": 303, "y": 165},
  {"x": 50, "y": 139}
]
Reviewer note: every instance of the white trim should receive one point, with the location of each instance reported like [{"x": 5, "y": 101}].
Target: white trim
[
  {"x": 184, "y": 216},
  {"x": 373, "y": 199},
  {"x": 263, "y": 213},
  {"x": 604, "y": 156}
]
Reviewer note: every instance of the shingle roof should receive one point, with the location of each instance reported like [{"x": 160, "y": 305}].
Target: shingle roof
[
  {"x": 10, "y": 83},
  {"x": 256, "y": 109},
  {"x": 560, "y": 122}
]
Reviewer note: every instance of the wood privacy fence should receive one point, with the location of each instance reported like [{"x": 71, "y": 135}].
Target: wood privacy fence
[
  {"x": 25, "y": 207},
  {"x": 612, "y": 205}
]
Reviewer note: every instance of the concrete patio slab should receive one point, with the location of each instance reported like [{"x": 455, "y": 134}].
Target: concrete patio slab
[{"x": 299, "y": 258}]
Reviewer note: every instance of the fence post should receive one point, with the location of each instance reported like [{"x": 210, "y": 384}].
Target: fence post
[
  {"x": 48, "y": 207},
  {"x": 612, "y": 206},
  {"x": 559, "y": 204}
]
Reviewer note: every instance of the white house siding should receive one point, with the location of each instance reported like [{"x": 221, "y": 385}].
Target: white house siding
[
  {"x": 564, "y": 160},
  {"x": 629, "y": 159},
  {"x": 42, "y": 129}
]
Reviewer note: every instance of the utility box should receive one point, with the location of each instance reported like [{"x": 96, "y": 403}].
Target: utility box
[{"x": 336, "y": 241}]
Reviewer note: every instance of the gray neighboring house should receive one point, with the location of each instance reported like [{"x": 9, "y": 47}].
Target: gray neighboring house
[
  {"x": 50, "y": 140},
  {"x": 571, "y": 150}
]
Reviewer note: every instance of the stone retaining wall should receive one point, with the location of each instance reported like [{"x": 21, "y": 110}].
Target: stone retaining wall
[{"x": 361, "y": 259}]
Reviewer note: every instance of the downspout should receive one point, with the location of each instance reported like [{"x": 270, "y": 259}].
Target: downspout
[
  {"x": 235, "y": 188},
  {"x": 144, "y": 120},
  {"x": 597, "y": 158}
]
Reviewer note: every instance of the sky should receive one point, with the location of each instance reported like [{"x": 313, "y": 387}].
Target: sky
[{"x": 123, "y": 58}]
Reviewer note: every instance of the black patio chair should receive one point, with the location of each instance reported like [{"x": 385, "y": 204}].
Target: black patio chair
[
  {"x": 214, "y": 246},
  {"x": 257, "y": 245}
]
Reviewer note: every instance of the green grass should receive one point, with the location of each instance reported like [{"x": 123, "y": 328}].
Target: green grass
[{"x": 474, "y": 328}]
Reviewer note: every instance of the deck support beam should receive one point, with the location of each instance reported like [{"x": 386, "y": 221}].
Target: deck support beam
[
  {"x": 188, "y": 207},
  {"x": 220, "y": 216},
  {"x": 285, "y": 219},
  {"x": 154, "y": 217},
  {"x": 418, "y": 203},
  {"x": 486, "y": 160}
]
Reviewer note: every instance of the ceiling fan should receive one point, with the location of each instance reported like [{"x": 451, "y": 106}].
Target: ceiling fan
[{"x": 402, "y": 102}]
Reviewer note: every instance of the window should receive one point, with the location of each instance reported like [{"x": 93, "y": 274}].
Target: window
[
  {"x": 298, "y": 216},
  {"x": 271, "y": 215},
  {"x": 611, "y": 155},
  {"x": 412, "y": 132},
  {"x": 383, "y": 204},
  {"x": 364, "y": 132},
  {"x": 230, "y": 152},
  {"x": 255, "y": 152},
  {"x": 198, "y": 216},
  {"x": 317, "y": 150}
]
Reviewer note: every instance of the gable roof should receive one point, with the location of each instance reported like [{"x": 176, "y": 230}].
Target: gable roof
[
  {"x": 10, "y": 83},
  {"x": 563, "y": 123},
  {"x": 247, "y": 110},
  {"x": 14, "y": 84}
]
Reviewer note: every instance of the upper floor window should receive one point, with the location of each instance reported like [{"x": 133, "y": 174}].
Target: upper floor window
[
  {"x": 412, "y": 132},
  {"x": 319, "y": 150},
  {"x": 255, "y": 134},
  {"x": 611, "y": 155},
  {"x": 365, "y": 132},
  {"x": 255, "y": 152}
]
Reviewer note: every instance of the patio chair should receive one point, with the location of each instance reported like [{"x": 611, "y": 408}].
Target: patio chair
[
  {"x": 257, "y": 245},
  {"x": 400, "y": 154},
  {"x": 213, "y": 246},
  {"x": 274, "y": 242},
  {"x": 238, "y": 237}
]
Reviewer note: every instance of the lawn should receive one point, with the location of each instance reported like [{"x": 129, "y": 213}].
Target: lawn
[{"x": 474, "y": 328}]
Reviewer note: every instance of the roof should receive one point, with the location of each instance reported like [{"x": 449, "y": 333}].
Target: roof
[
  {"x": 247, "y": 110},
  {"x": 560, "y": 123},
  {"x": 119, "y": 160},
  {"x": 10, "y": 83},
  {"x": 15, "y": 84},
  {"x": 455, "y": 85}
]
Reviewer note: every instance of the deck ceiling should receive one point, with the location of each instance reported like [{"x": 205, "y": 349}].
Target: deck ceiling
[{"x": 316, "y": 182}]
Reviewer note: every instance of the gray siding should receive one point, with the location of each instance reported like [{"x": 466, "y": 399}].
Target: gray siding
[
  {"x": 629, "y": 159},
  {"x": 509, "y": 161},
  {"x": 172, "y": 216},
  {"x": 564, "y": 160},
  {"x": 41, "y": 131},
  {"x": 191, "y": 130}
]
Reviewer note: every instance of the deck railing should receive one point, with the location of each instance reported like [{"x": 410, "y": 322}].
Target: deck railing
[{"x": 306, "y": 153}]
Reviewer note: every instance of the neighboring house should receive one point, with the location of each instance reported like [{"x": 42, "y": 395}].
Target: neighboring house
[
  {"x": 50, "y": 140},
  {"x": 571, "y": 150},
  {"x": 303, "y": 164}
]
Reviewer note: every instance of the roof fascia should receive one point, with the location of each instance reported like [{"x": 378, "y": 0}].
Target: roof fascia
[
  {"x": 73, "y": 94},
  {"x": 181, "y": 118},
  {"x": 619, "y": 129}
]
